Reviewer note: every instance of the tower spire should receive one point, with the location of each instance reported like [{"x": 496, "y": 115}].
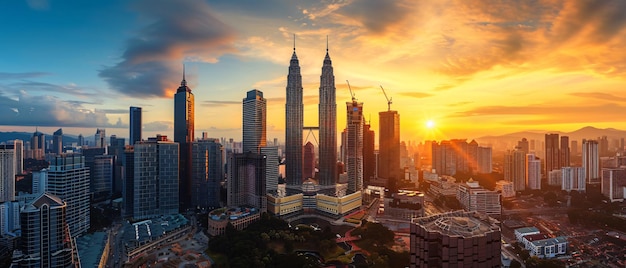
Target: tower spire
[
  {"x": 294, "y": 42},
  {"x": 184, "y": 82},
  {"x": 326, "y": 43}
]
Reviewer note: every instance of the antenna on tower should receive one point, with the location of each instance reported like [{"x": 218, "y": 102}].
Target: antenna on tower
[
  {"x": 294, "y": 42},
  {"x": 326, "y": 43},
  {"x": 351, "y": 94},
  {"x": 388, "y": 99}
]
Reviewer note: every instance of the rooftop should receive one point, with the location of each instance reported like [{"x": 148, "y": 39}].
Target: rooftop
[
  {"x": 526, "y": 230},
  {"x": 90, "y": 248},
  {"x": 147, "y": 230},
  {"x": 458, "y": 223},
  {"x": 550, "y": 241},
  {"x": 232, "y": 213}
]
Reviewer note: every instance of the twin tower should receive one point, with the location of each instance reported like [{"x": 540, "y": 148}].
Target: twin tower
[{"x": 294, "y": 124}]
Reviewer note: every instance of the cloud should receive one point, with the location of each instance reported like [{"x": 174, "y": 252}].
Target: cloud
[
  {"x": 69, "y": 89},
  {"x": 38, "y": 4},
  {"x": 29, "y": 110},
  {"x": 213, "y": 103},
  {"x": 158, "y": 126},
  {"x": 599, "y": 95},
  {"x": 114, "y": 111},
  {"x": 376, "y": 16},
  {"x": 180, "y": 30},
  {"x": 418, "y": 95},
  {"x": 26, "y": 75}
]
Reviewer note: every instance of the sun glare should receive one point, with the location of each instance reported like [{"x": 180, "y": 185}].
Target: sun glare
[{"x": 430, "y": 124}]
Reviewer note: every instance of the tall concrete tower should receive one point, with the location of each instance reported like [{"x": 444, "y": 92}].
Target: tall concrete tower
[
  {"x": 254, "y": 121},
  {"x": 354, "y": 146},
  {"x": 327, "y": 124},
  {"x": 389, "y": 145},
  {"x": 183, "y": 135},
  {"x": 294, "y": 122}
]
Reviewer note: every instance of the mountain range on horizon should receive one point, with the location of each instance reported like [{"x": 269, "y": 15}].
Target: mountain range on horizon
[{"x": 587, "y": 132}]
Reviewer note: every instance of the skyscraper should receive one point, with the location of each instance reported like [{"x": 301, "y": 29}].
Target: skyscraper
[
  {"x": 183, "y": 134},
  {"x": 101, "y": 182},
  {"x": 57, "y": 141},
  {"x": 533, "y": 172},
  {"x": 45, "y": 235},
  {"x": 135, "y": 125},
  {"x": 327, "y": 124},
  {"x": 128, "y": 191},
  {"x": 254, "y": 120},
  {"x": 294, "y": 122},
  {"x": 18, "y": 146},
  {"x": 552, "y": 153},
  {"x": 308, "y": 168},
  {"x": 155, "y": 178},
  {"x": 68, "y": 179},
  {"x": 591, "y": 161},
  {"x": 565, "y": 151},
  {"x": 81, "y": 140},
  {"x": 354, "y": 145},
  {"x": 515, "y": 168},
  {"x": 271, "y": 167},
  {"x": 7, "y": 173},
  {"x": 207, "y": 173},
  {"x": 100, "y": 138},
  {"x": 369, "y": 159},
  {"x": 38, "y": 145},
  {"x": 246, "y": 180},
  {"x": 389, "y": 145},
  {"x": 524, "y": 145}
]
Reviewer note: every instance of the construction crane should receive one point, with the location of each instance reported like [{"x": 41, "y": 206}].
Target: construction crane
[
  {"x": 389, "y": 102},
  {"x": 351, "y": 94}
]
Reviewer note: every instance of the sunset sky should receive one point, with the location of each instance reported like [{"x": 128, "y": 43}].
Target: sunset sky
[{"x": 472, "y": 68}]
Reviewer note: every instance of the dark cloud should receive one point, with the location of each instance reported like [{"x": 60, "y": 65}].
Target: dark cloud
[
  {"x": 597, "y": 21},
  {"x": 158, "y": 126},
  {"x": 73, "y": 90},
  {"x": 22, "y": 75},
  {"x": 27, "y": 110},
  {"x": 185, "y": 29},
  {"x": 376, "y": 16}
]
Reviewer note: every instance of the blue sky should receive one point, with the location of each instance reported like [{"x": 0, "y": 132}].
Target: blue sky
[{"x": 485, "y": 67}]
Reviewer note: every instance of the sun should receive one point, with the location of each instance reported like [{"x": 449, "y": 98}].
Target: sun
[{"x": 430, "y": 124}]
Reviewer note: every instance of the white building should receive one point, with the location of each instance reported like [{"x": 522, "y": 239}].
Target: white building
[
  {"x": 548, "y": 248},
  {"x": 475, "y": 198},
  {"x": 614, "y": 183},
  {"x": 573, "y": 179},
  {"x": 521, "y": 232},
  {"x": 505, "y": 188},
  {"x": 533, "y": 172},
  {"x": 555, "y": 178}
]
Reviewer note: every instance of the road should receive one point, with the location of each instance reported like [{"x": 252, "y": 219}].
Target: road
[{"x": 116, "y": 251}]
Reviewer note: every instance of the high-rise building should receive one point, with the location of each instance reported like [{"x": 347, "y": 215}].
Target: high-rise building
[
  {"x": 354, "y": 145},
  {"x": 533, "y": 172},
  {"x": 603, "y": 146},
  {"x": 271, "y": 167},
  {"x": 246, "y": 180},
  {"x": 38, "y": 145},
  {"x": 101, "y": 183},
  {"x": 565, "y": 151},
  {"x": 573, "y": 179},
  {"x": 128, "y": 184},
  {"x": 68, "y": 179},
  {"x": 524, "y": 145},
  {"x": 308, "y": 169},
  {"x": 515, "y": 169},
  {"x": 552, "y": 153},
  {"x": 254, "y": 121},
  {"x": 207, "y": 173},
  {"x": 591, "y": 161},
  {"x": 135, "y": 125},
  {"x": 18, "y": 147},
  {"x": 455, "y": 239},
  {"x": 389, "y": 145},
  {"x": 40, "y": 181},
  {"x": 7, "y": 173},
  {"x": 369, "y": 159},
  {"x": 574, "y": 148},
  {"x": 155, "y": 178},
  {"x": 184, "y": 134},
  {"x": 81, "y": 140},
  {"x": 100, "y": 139},
  {"x": 484, "y": 160},
  {"x": 294, "y": 123},
  {"x": 328, "y": 125},
  {"x": 116, "y": 149},
  {"x": 57, "y": 141},
  {"x": 472, "y": 156},
  {"x": 9, "y": 219},
  {"x": 45, "y": 235},
  {"x": 614, "y": 183}
]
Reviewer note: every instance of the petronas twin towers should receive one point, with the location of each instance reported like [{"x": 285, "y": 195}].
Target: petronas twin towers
[{"x": 294, "y": 124}]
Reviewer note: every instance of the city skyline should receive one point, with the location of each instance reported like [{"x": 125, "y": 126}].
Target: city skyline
[{"x": 433, "y": 66}]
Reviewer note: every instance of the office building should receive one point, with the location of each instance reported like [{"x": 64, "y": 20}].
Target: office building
[
  {"x": 573, "y": 179},
  {"x": 614, "y": 183},
  {"x": 515, "y": 169},
  {"x": 81, "y": 140},
  {"x": 574, "y": 148},
  {"x": 207, "y": 173},
  {"x": 9, "y": 219},
  {"x": 294, "y": 123},
  {"x": 524, "y": 145},
  {"x": 116, "y": 150},
  {"x": 505, "y": 188},
  {"x": 128, "y": 184},
  {"x": 327, "y": 125},
  {"x": 135, "y": 125},
  {"x": 18, "y": 147},
  {"x": 57, "y": 142},
  {"x": 102, "y": 174},
  {"x": 308, "y": 169},
  {"x": 68, "y": 179},
  {"x": 155, "y": 179},
  {"x": 565, "y": 152},
  {"x": 272, "y": 161},
  {"x": 389, "y": 145},
  {"x": 246, "y": 181},
  {"x": 455, "y": 239},
  {"x": 40, "y": 181},
  {"x": 254, "y": 121},
  {"x": 184, "y": 112},
  {"x": 533, "y": 172},
  {"x": 38, "y": 145},
  {"x": 552, "y": 153},
  {"x": 369, "y": 159},
  {"x": 473, "y": 197},
  {"x": 7, "y": 173},
  {"x": 354, "y": 145},
  {"x": 591, "y": 161},
  {"x": 100, "y": 139},
  {"x": 46, "y": 238},
  {"x": 485, "y": 160}
]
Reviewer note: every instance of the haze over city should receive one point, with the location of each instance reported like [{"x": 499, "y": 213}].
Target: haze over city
[{"x": 454, "y": 69}]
